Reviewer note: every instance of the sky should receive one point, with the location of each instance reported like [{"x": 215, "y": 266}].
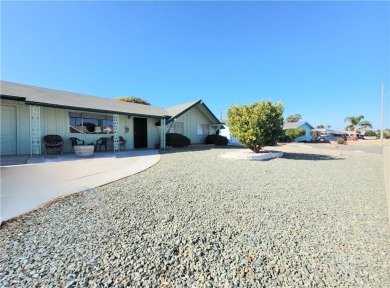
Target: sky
[{"x": 323, "y": 60}]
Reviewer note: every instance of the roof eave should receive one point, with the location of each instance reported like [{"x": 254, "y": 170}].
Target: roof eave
[
  {"x": 182, "y": 112},
  {"x": 10, "y": 97},
  {"x": 189, "y": 108},
  {"x": 211, "y": 113},
  {"x": 91, "y": 109}
]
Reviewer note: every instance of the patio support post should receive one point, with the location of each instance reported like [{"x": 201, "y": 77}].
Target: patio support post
[
  {"x": 163, "y": 135},
  {"x": 115, "y": 120},
  {"x": 35, "y": 130}
]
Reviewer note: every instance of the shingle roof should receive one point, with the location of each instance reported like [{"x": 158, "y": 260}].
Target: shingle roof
[
  {"x": 176, "y": 110},
  {"x": 54, "y": 98},
  {"x": 292, "y": 125},
  {"x": 62, "y": 99}
]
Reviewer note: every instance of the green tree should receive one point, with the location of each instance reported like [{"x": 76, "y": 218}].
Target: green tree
[
  {"x": 355, "y": 122},
  {"x": 294, "y": 118},
  {"x": 294, "y": 133},
  {"x": 133, "y": 99},
  {"x": 256, "y": 125},
  {"x": 370, "y": 133}
]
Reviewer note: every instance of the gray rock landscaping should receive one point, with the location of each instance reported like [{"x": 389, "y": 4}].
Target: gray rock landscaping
[{"x": 198, "y": 220}]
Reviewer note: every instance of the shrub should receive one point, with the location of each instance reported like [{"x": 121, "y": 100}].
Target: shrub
[
  {"x": 177, "y": 140},
  {"x": 370, "y": 133},
  {"x": 218, "y": 140},
  {"x": 340, "y": 140},
  {"x": 256, "y": 125},
  {"x": 294, "y": 133}
]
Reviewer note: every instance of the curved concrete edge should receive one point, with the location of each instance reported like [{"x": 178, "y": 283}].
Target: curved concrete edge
[
  {"x": 253, "y": 157},
  {"x": 99, "y": 179},
  {"x": 46, "y": 186}
]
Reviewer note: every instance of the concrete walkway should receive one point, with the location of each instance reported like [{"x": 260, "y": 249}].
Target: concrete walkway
[{"x": 27, "y": 187}]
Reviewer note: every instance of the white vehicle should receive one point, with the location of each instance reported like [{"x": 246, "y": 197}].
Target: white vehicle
[{"x": 331, "y": 137}]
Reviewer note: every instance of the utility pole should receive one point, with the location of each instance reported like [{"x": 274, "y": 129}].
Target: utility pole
[{"x": 383, "y": 116}]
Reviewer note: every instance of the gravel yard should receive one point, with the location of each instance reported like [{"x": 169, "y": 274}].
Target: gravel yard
[{"x": 198, "y": 220}]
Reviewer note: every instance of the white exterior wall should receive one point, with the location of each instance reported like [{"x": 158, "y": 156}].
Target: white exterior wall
[
  {"x": 153, "y": 133},
  {"x": 231, "y": 139}
]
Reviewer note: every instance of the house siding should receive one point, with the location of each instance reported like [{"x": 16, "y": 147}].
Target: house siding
[
  {"x": 191, "y": 119},
  {"x": 153, "y": 134},
  {"x": 307, "y": 137},
  {"x": 22, "y": 125},
  {"x": 54, "y": 107},
  {"x": 124, "y": 121},
  {"x": 55, "y": 121}
]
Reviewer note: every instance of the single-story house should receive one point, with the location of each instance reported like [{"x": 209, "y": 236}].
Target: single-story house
[
  {"x": 28, "y": 113},
  {"x": 300, "y": 125}
]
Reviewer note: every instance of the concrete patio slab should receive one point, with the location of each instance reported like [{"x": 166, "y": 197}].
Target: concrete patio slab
[{"x": 27, "y": 187}]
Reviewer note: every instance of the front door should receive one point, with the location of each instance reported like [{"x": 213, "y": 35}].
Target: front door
[
  {"x": 8, "y": 130},
  {"x": 140, "y": 133}
]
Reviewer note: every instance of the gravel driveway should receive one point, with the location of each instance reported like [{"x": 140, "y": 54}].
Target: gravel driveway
[{"x": 198, "y": 220}]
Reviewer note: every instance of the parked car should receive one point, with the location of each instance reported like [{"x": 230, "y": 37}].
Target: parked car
[
  {"x": 352, "y": 138},
  {"x": 331, "y": 137}
]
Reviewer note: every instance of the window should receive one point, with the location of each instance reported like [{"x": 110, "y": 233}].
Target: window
[
  {"x": 177, "y": 127},
  {"x": 203, "y": 129},
  {"x": 90, "y": 123}
]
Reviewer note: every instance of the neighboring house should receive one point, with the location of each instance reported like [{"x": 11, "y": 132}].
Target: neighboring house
[
  {"x": 302, "y": 125},
  {"x": 224, "y": 131},
  {"x": 29, "y": 113}
]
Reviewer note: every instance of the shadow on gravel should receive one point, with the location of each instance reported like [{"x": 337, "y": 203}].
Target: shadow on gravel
[{"x": 303, "y": 156}]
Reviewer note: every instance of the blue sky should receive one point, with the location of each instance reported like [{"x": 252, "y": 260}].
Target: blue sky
[{"x": 324, "y": 60}]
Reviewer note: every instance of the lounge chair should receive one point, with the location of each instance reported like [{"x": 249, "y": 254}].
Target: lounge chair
[{"x": 53, "y": 143}]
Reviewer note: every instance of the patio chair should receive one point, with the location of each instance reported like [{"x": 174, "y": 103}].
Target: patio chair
[
  {"x": 76, "y": 141},
  {"x": 102, "y": 142},
  {"x": 122, "y": 142},
  {"x": 53, "y": 143}
]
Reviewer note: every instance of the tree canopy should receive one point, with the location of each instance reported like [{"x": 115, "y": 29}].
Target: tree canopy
[
  {"x": 294, "y": 118},
  {"x": 256, "y": 125},
  {"x": 355, "y": 122},
  {"x": 133, "y": 99},
  {"x": 294, "y": 133}
]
